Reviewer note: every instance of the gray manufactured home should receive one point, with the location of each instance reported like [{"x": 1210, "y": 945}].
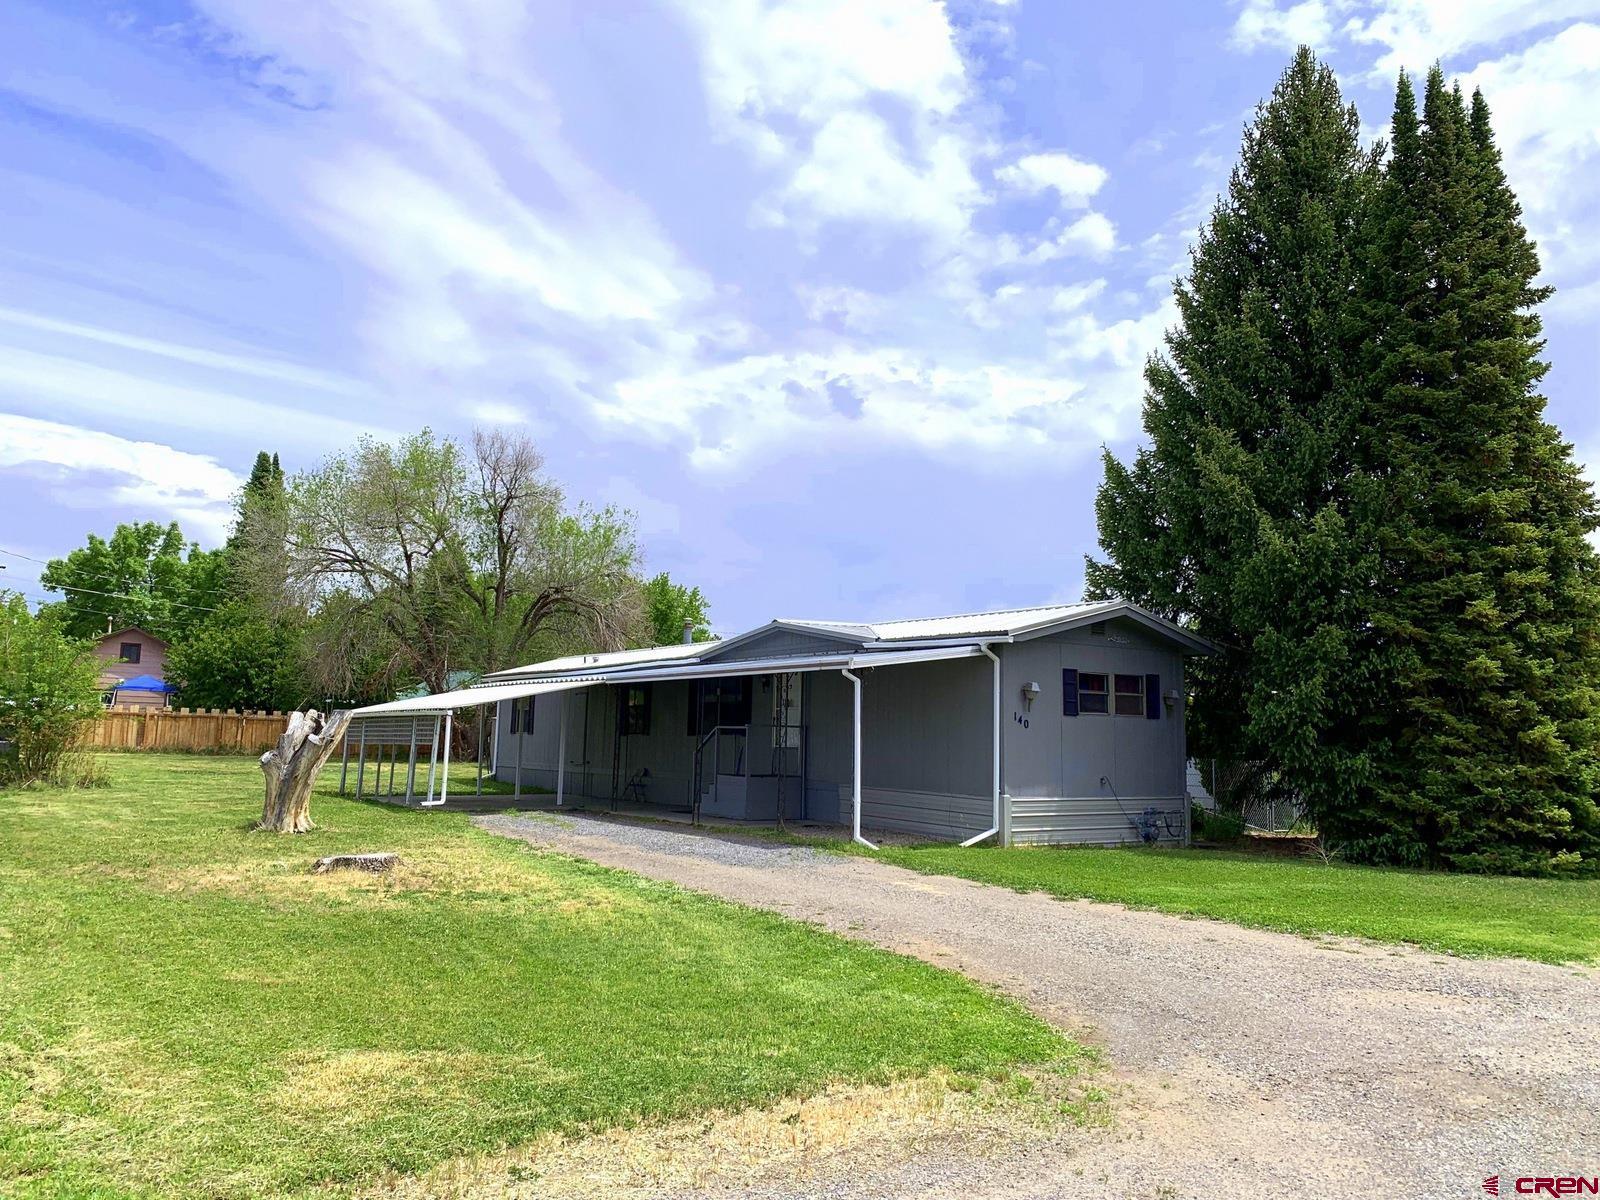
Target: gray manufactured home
[{"x": 1060, "y": 724}]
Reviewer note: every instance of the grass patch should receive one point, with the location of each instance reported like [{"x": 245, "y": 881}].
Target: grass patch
[
  {"x": 1556, "y": 921},
  {"x": 185, "y": 1009}
]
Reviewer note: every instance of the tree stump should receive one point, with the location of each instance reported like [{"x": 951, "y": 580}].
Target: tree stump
[
  {"x": 356, "y": 862},
  {"x": 291, "y": 768}
]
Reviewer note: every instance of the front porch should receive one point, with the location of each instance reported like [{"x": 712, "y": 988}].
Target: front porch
[{"x": 737, "y": 742}]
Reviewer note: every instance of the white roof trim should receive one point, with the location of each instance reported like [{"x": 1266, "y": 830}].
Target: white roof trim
[
  {"x": 1123, "y": 608},
  {"x": 472, "y": 697},
  {"x": 852, "y": 660},
  {"x": 848, "y": 635}
]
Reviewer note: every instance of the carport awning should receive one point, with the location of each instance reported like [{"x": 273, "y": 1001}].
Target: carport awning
[
  {"x": 472, "y": 697},
  {"x": 443, "y": 702}
]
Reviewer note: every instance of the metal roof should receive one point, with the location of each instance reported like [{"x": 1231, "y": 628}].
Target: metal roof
[
  {"x": 442, "y": 702},
  {"x": 611, "y": 658},
  {"x": 1003, "y": 622},
  {"x": 874, "y": 636},
  {"x": 472, "y": 697}
]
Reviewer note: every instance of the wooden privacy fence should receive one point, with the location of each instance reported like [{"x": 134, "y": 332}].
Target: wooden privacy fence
[{"x": 186, "y": 729}]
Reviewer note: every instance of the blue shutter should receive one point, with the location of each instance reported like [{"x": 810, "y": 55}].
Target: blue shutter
[
  {"x": 515, "y": 713},
  {"x": 1152, "y": 697},
  {"x": 1069, "y": 692}
]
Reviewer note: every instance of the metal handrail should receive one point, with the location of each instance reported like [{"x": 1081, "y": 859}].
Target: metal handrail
[{"x": 713, "y": 734}]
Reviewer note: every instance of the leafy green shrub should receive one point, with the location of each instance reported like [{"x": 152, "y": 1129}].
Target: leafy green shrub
[
  {"x": 49, "y": 696},
  {"x": 1211, "y": 826}
]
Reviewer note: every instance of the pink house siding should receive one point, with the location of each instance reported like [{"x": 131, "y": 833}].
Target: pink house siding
[{"x": 152, "y": 661}]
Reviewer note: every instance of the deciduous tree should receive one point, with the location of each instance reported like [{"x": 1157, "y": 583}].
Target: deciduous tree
[
  {"x": 49, "y": 692},
  {"x": 416, "y": 559},
  {"x": 145, "y": 574},
  {"x": 670, "y": 606}
]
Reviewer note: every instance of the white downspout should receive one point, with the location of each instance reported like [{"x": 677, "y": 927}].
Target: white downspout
[
  {"x": 988, "y": 833},
  {"x": 561, "y": 751},
  {"x": 855, "y": 776},
  {"x": 444, "y": 773}
]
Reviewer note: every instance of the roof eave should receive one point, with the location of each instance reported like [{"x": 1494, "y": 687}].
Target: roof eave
[{"x": 1191, "y": 642}]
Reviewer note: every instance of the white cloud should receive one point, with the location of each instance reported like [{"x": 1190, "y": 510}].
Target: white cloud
[
  {"x": 1543, "y": 101},
  {"x": 277, "y": 370},
  {"x": 84, "y": 468},
  {"x": 1414, "y": 33},
  {"x": 1071, "y": 298},
  {"x": 58, "y": 382},
  {"x": 856, "y": 170},
  {"x": 1073, "y": 180},
  {"x": 1263, "y": 23},
  {"x": 855, "y": 308},
  {"x": 1092, "y": 235},
  {"x": 854, "y": 104},
  {"x": 440, "y": 166},
  {"x": 847, "y": 398},
  {"x": 811, "y": 59},
  {"x": 496, "y": 412},
  {"x": 489, "y": 261}
]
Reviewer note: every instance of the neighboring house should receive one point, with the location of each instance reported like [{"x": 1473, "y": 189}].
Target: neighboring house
[
  {"x": 135, "y": 668},
  {"x": 1052, "y": 724}
]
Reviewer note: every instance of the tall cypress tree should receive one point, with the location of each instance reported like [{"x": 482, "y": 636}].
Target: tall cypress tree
[
  {"x": 1243, "y": 516},
  {"x": 1487, "y": 595}
]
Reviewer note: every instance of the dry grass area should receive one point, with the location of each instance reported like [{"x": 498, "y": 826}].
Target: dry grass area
[
  {"x": 186, "y": 1009},
  {"x": 834, "y": 1133}
]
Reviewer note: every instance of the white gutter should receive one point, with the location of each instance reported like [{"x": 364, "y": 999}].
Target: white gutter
[
  {"x": 442, "y": 702},
  {"x": 936, "y": 642},
  {"x": 989, "y": 833},
  {"x": 444, "y": 774},
  {"x": 853, "y": 660},
  {"x": 561, "y": 757},
  {"x": 855, "y": 777}
]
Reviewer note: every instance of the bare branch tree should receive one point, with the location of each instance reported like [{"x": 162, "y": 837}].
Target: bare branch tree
[{"x": 415, "y": 561}]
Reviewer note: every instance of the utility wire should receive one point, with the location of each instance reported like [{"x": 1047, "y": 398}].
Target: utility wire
[{"x": 66, "y": 587}]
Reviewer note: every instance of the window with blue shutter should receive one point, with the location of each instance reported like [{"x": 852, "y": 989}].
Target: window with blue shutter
[
  {"x": 1069, "y": 692},
  {"x": 1152, "y": 697}
]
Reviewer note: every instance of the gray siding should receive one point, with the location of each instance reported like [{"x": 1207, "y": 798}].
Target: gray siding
[
  {"x": 937, "y": 815},
  {"x": 1092, "y": 822},
  {"x": 926, "y": 737},
  {"x": 926, "y": 754},
  {"x": 781, "y": 643},
  {"x": 1054, "y": 763}
]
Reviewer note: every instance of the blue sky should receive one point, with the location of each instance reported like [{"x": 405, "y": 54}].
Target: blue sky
[{"x": 842, "y": 299}]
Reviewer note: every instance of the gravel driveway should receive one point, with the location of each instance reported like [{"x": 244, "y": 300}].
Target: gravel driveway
[{"x": 1252, "y": 1063}]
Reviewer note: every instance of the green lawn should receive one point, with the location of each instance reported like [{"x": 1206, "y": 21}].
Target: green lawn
[
  {"x": 185, "y": 1010},
  {"x": 1549, "y": 920}
]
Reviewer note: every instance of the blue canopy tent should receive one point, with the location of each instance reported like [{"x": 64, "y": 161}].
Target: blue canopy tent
[{"x": 143, "y": 683}]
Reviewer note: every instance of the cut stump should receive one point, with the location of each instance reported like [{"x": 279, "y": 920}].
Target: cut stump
[
  {"x": 291, "y": 768},
  {"x": 356, "y": 862}
]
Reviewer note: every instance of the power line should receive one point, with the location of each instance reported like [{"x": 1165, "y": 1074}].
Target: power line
[
  {"x": 67, "y": 587},
  {"x": 99, "y": 612}
]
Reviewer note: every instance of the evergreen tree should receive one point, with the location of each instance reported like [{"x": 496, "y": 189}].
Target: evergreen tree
[
  {"x": 1487, "y": 595},
  {"x": 1242, "y": 517},
  {"x": 256, "y": 526}
]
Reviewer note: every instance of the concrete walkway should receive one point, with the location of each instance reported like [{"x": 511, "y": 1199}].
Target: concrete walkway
[{"x": 1253, "y": 1063}]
